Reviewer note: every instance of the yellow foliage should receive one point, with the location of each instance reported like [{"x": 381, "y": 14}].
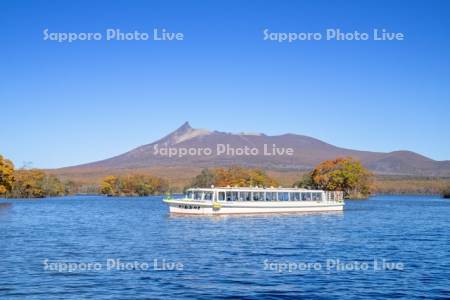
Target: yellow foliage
[
  {"x": 133, "y": 185},
  {"x": 36, "y": 184},
  {"x": 343, "y": 174},
  {"x": 6, "y": 175}
]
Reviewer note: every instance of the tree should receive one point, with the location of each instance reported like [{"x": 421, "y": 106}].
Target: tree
[
  {"x": 233, "y": 176},
  {"x": 72, "y": 187},
  {"x": 205, "y": 179},
  {"x": 109, "y": 186},
  {"x": 306, "y": 182},
  {"x": 343, "y": 174},
  {"x": 159, "y": 185},
  {"x": 52, "y": 186},
  {"x": 28, "y": 184},
  {"x": 133, "y": 185},
  {"x": 6, "y": 175},
  {"x": 238, "y": 176},
  {"x": 446, "y": 192}
]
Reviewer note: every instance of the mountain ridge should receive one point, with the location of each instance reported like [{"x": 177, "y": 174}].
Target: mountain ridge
[{"x": 307, "y": 152}]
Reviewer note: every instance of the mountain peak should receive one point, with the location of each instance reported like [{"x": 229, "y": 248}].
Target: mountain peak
[
  {"x": 183, "y": 133},
  {"x": 185, "y": 126}
]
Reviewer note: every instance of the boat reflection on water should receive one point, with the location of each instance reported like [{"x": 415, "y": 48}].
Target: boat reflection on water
[
  {"x": 4, "y": 207},
  {"x": 256, "y": 215}
]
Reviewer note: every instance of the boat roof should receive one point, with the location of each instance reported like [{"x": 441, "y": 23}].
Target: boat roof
[{"x": 251, "y": 189}]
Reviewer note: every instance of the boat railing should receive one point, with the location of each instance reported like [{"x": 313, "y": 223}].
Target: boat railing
[{"x": 334, "y": 196}]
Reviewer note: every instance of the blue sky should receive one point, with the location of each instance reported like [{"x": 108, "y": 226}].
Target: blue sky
[{"x": 64, "y": 104}]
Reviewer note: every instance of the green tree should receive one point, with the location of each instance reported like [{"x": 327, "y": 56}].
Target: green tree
[
  {"x": 205, "y": 179},
  {"x": 6, "y": 175},
  {"x": 306, "y": 182}
]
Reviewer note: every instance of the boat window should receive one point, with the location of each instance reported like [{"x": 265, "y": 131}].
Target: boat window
[
  {"x": 208, "y": 195},
  {"x": 257, "y": 196},
  {"x": 198, "y": 195},
  {"x": 317, "y": 196},
  {"x": 245, "y": 196},
  {"x": 189, "y": 195},
  {"x": 306, "y": 196},
  {"x": 294, "y": 196},
  {"x": 232, "y": 196},
  {"x": 271, "y": 196},
  {"x": 283, "y": 196},
  {"x": 221, "y": 196}
]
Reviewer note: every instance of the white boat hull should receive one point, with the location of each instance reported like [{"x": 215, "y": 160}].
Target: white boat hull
[{"x": 250, "y": 207}]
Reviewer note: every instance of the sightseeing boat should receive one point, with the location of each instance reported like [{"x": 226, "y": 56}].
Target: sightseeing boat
[{"x": 250, "y": 200}]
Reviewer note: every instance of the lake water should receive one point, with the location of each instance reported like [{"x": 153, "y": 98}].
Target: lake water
[{"x": 112, "y": 245}]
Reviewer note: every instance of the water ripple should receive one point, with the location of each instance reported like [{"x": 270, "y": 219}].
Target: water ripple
[{"x": 226, "y": 257}]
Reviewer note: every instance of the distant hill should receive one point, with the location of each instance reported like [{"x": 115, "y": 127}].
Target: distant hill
[{"x": 306, "y": 153}]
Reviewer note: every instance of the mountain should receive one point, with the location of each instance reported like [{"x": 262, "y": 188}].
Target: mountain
[{"x": 206, "y": 150}]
